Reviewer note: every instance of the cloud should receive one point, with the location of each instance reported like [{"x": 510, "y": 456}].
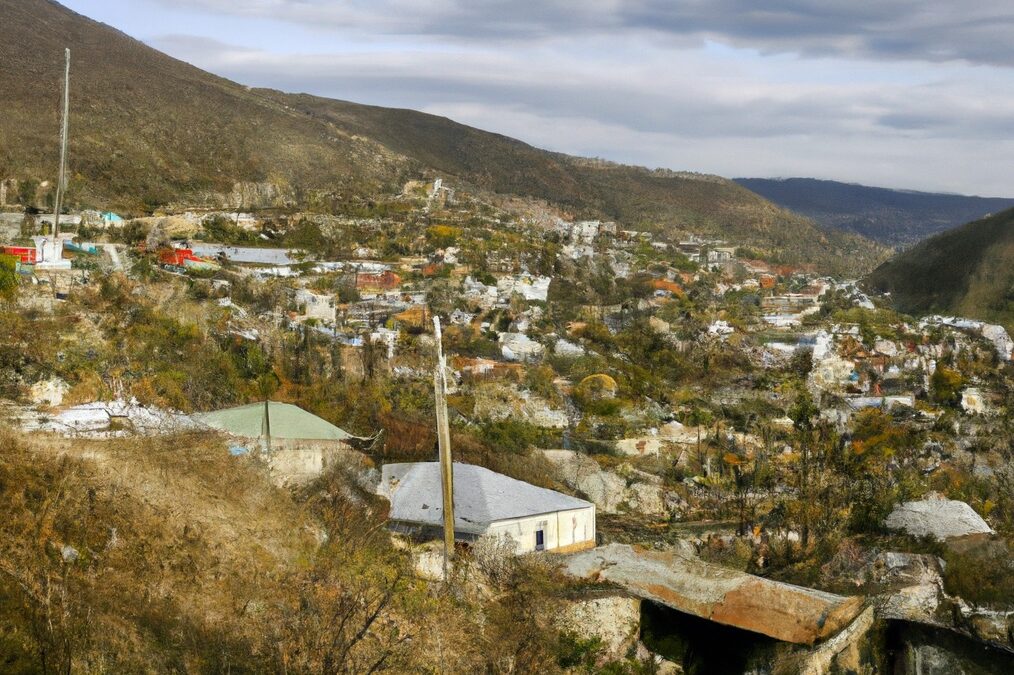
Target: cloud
[
  {"x": 929, "y": 126},
  {"x": 977, "y": 31}
]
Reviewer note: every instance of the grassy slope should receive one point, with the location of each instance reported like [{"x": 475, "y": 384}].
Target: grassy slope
[
  {"x": 148, "y": 130},
  {"x": 968, "y": 270},
  {"x": 180, "y": 548},
  {"x": 635, "y": 196}
]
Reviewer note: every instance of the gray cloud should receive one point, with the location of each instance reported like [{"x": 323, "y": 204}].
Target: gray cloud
[
  {"x": 932, "y": 128},
  {"x": 977, "y": 31}
]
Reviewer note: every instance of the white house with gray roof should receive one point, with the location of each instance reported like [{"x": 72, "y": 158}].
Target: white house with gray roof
[{"x": 487, "y": 503}]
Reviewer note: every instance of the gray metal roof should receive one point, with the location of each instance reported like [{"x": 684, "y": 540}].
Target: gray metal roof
[{"x": 481, "y": 496}]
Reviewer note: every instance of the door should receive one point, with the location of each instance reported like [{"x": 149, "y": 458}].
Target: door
[{"x": 540, "y": 540}]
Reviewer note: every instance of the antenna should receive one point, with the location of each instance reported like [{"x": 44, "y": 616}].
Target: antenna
[
  {"x": 444, "y": 443},
  {"x": 61, "y": 183}
]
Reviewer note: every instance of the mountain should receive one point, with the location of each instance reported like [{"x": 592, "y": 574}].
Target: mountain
[
  {"x": 893, "y": 217},
  {"x": 149, "y": 131},
  {"x": 967, "y": 271}
]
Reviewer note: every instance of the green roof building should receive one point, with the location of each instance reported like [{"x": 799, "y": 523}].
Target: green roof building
[{"x": 273, "y": 420}]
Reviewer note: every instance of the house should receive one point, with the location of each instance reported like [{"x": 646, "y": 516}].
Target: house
[
  {"x": 480, "y": 368},
  {"x": 487, "y": 503},
  {"x": 317, "y": 305},
  {"x": 26, "y": 255},
  {"x": 110, "y": 219},
  {"x": 297, "y": 445},
  {"x": 527, "y": 286},
  {"x": 183, "y": 259},
  {"x": 383, "y": 281},
  {"x": 415, "y": 318}
]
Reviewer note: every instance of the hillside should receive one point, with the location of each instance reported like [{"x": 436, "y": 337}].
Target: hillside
[
  {"x": 893, "y": 217},
  {"x": 967, "y": 271},
  {"x": 148, "y": 130}
]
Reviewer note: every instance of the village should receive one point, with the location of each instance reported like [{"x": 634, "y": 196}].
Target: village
[{"x": 651, "y": 406}]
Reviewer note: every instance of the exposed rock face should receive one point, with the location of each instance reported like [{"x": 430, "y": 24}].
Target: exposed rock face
[
  {"x": 616, "y": 619},
  {"x": 647, "y": 499},
  {"x": 607, "y": 490},
  {"x": 842, "y": 653},
  {"x": 937, "y": 517},
  {"x": 49, "y": 392},
  {"x": 688, "y": 584},
  {"x": 931, "y": 660},
  {"x": 900, "y": 570}
]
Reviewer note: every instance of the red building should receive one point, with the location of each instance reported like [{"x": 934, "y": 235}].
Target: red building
[
  {"x": 25, "y": 254},
  {"x": 385, "y": 281}
]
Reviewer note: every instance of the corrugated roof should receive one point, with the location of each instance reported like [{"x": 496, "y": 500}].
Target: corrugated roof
[
  {"x": 287, "y": 421},
  {"x": 481, "y": 496}
]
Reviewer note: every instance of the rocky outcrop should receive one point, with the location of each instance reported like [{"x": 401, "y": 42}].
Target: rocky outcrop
[
  {"x": 843, "y": 652},
  {"x": 615, "y": 619},
  {"x": 686, "y": 583},
  {"x": 49, "y": 392},
  {"x": 937, "y": 517},
  {"x": 610, "y": 492}
]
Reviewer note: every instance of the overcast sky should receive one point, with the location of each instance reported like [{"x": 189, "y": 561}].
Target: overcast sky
[{"x": 914, "y": 94}]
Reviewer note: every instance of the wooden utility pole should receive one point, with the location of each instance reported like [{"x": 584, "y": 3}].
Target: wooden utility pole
[
  {"x": 266, "y": 425},
  {"x": 444, "y": 443},
  {"x": 61, "y": 183}
]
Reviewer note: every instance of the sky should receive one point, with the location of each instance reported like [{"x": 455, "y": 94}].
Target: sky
[{"x": 909, "y": 94}]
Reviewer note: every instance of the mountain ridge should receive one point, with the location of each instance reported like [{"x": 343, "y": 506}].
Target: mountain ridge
[
  {"x": 967, "y": 271},
  {"x": 148, "y": 131},
  {"x": 894, "y": 217}
]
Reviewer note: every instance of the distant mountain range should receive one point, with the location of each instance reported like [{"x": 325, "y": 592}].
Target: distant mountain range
[
  {"x": 893, "y": 217},
  {"x": 968, "y": 271},
  {"x": 148, "y": 131}
]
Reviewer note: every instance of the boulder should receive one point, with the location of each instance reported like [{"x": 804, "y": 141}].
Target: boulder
[{"x": 937, "y": 517}]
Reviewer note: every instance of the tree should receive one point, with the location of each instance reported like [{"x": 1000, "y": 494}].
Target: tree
[
  {"x": 8, "y": 277},
  {"x": 802, "y": 413},
  {"x": 29, "y": 226},
  {"x": 945, "y": 385}
]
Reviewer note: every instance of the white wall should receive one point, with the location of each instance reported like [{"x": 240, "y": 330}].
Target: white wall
[{"x": 562, "y": 528}]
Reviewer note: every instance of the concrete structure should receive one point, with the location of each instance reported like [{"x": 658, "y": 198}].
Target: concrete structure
[
  {"x": 487, "y": 503},
  {"x": 49, "y": 254},
  {"x": 316, "y": 305}
]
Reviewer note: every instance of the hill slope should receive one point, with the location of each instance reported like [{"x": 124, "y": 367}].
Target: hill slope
[
  {"x": 148, "y": 130},
  {"x": 892, "y": 217},
  {"x": 967, "y": 271}
]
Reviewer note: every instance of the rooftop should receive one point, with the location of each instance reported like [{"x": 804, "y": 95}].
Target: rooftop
[
  {"x": 481, "y": 496},
  {"x": 287, "y": 421}
]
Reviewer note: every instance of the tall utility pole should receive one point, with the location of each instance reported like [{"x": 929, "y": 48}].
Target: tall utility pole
[
  {"x": 266, "y": 425},
  {"x": 61, "y": 183},
  {"x": 444, "y": 443}
]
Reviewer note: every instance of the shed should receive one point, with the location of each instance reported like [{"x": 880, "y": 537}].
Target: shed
[
  {"x": 302, "y": 445},
  {"x": 487, "y": 503}
]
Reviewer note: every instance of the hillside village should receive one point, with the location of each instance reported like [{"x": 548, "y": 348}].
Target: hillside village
[{"x": 697, "y": 411}]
